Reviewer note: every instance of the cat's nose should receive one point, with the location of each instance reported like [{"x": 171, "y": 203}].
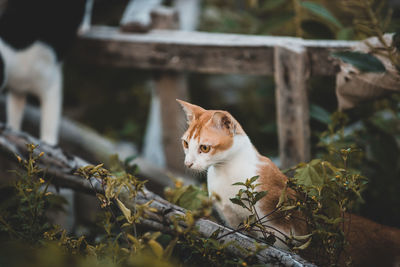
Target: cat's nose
[{"x": 188, "y": 164}]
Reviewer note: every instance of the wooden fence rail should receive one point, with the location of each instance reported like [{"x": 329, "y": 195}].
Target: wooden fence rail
[{"x": 291, "y": 60}]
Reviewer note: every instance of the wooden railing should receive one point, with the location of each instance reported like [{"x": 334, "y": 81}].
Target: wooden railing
[{"x": 290, "y": 60}]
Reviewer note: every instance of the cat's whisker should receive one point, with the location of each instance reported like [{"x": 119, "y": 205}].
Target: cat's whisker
[{"x": 195, "y": 172}]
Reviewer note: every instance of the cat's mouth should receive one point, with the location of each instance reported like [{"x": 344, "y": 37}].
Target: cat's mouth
[{"x": 196, "y": 168}]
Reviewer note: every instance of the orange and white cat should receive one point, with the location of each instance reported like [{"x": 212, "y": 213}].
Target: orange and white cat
[{"x": 215, "y": 142}]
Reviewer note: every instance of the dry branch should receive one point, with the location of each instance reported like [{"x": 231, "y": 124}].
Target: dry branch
[
  {"x": 87, "y": 143},
  {"x": 62, "y": 167}
]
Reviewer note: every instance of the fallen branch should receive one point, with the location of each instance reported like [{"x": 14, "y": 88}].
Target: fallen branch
[
  {"x": 85, "y": 142},
  {"x": 61, "y": 167}
]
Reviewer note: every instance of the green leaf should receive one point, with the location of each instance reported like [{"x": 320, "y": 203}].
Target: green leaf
[
  {"x": 271, "y": 239},
  {"x": 308, "y": 175},
  {"x": 115, "y": 164},
  {"x": 157, "y": 248},
  {"x": 329, "y": 220},
  {"x": 362, "y": 61},
  {"x": 170, "y": 248},
  {"x": 239, "y": 183},
  {"x": 345, "y": 34},
  {"x": 285, "y": 208},
  {"x": 252, "y": 218},
  {"x": 274, "y": 24},
  {"x": 301, "y": 237},
  {"x": 304, "y": 246},
  {"x": 215, "y": 234},
  {"x": 282, "y": 197},
  {"x": 259, "y": 195},
  {"x": 125, "y": 210},
  {"x": 321, "y": 11},
  {"x": 253, "y": 179},
  {"x": 129, "y": 159},
  {"x": 320, "y": 114},
  {"x": 237, "y": 202},
  {"x": 190, "y": 197}
]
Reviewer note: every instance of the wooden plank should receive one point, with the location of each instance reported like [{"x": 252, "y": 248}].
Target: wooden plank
[
  {"x": 291, "y": 75},
  {"x": 165, "y": 144},
  {"x": 199, "y": 51},
  {"x": 136, "y": 17}
]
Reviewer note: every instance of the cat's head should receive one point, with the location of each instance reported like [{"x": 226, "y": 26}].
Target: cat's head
[{"x": 210, "y": 137}]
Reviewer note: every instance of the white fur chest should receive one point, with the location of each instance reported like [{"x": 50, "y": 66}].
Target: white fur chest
[
  {"x": 30, "y": 70},
  {"x": 220, "y": 180}
]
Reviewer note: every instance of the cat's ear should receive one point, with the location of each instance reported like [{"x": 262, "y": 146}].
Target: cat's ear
[
  {"x": 192, "y": 111},
  {"x": 223, "y": 121}
]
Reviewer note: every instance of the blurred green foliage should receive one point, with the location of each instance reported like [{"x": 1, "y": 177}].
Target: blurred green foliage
[
  {"x": 316, "y": 19},
  {"x": 375, "y": 129}
]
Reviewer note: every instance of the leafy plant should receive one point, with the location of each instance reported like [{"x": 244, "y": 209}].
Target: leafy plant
[
  {"x": 324, "y": 194},
  {"x": 362, "y": 61},
  {"x": 374, "y": 128},
  {"x": 247, "y": 198},
  {"x": 25, "y": 202},
  {"x": 119, "y": 244},
  {"x": 371, "y": 18},
  {"x": 125, "y": 242}
]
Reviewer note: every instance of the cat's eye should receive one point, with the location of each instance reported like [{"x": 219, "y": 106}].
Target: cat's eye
[
  {"x": 205, "y": 148},
  {"x": 185, "y": 144}
]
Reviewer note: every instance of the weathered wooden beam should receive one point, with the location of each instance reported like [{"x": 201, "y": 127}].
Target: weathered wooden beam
[
  {"x": 199, "y": 51},
  {"x": 292, "y": 70},
  {"x": 62, "y": 168}
]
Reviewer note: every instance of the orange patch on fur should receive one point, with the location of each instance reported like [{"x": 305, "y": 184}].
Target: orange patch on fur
[
  {"x": 274, "y": 181},
  {"x": 201, "y": 128}
]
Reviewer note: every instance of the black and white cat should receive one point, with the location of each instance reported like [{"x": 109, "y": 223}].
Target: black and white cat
[{"x": 34, "y": 37}]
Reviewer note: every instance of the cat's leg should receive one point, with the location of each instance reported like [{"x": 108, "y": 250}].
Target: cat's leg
[
  {"x": 51, "y": 107},
  {"x": 15, "y": 109}
]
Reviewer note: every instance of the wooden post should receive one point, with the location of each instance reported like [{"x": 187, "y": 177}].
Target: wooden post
[
  {"x": 189, "y": 13},
  {"x": 162, "y": 144},
  {"x": 136, "y": 17},
  {"x": 291, "y": 75},
  {"x": 169, "y": 87}
]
